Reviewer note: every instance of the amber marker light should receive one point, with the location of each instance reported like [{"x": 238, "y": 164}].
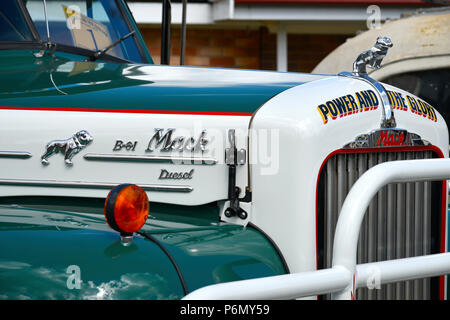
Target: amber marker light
[{"x": 126, "y": 209}]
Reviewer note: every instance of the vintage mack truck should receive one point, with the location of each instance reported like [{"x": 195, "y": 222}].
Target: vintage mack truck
[{"x": 210, "y": 175}]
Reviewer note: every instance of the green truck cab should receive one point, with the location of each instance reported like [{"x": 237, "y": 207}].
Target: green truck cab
[{"x": 56, "y": 246}]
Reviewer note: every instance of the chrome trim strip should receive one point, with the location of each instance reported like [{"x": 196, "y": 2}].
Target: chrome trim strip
[
  {"x": 388, "y": 120},
  {"x": 15, "y": 154},
  {"x": 151, "y": 158},
  {"x": 91, "y": 185}
]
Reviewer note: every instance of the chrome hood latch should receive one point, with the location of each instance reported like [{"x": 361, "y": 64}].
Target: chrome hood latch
[{"x": 233, "y": 158}]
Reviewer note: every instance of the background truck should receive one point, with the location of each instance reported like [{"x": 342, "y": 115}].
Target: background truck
[{"x": 245, "y": 171}]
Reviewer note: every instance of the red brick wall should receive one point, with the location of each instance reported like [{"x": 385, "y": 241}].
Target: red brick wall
[
  {"x": 218, "y": 48},
  {"x": 305, "y": 51},
  {"x": 246, "y": 49}
]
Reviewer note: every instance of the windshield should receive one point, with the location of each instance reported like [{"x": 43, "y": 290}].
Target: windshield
[
  {"x": 431, "y": 85},
  {"x": 12, "y": 24},
  {"x": 86, "y": 24}
]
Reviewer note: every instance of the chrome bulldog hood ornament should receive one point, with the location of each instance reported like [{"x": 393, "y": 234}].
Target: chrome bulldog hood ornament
[
  {"x": 373, "y": 58},
  {"x": 69, "y": 147}
]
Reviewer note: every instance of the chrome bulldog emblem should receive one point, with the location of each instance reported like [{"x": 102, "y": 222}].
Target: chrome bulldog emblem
[
  {"x": 372, "y": 57},
  {"x": 69, "y": 147}
]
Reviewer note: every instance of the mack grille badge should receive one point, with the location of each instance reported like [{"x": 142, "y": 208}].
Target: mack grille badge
[
  {"x": 69, "y": 147},
  {"x": 383, "y": 138}
]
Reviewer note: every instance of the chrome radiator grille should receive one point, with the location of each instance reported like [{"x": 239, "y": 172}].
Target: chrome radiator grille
[{"x": 403, "y": 220}]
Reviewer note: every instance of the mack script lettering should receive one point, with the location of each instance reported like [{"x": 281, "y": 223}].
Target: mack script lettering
[
  {"x": 391, "y": 139},
  {"x": 166, "y": 142}
]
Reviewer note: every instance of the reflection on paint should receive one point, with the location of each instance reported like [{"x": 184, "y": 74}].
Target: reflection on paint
[{"x": 22, "y": 281}]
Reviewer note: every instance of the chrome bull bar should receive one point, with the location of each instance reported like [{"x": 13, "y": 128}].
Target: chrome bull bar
[{"x": 345, "y": 275}]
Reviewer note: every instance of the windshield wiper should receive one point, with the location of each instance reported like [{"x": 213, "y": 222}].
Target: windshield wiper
[
  {"x": 101, "y": 53},
  {"x": 51, "y": 47}
]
